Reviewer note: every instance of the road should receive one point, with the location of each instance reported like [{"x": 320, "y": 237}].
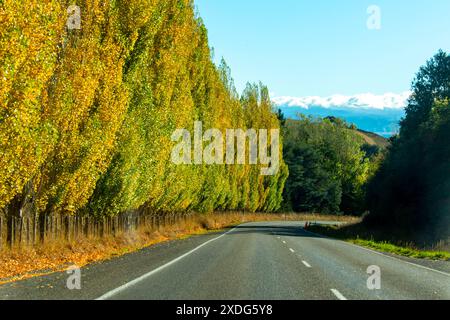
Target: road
[{"x": 255, "y": 261}]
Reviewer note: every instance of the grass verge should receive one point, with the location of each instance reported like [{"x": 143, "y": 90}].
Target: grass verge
[
  {"x": 25, "y": 262},
  {"x": 357, "y": 234}
]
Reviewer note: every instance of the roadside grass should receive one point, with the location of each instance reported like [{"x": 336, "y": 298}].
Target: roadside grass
[
  {"x": 359, "y": 235},
  {"x": 25, "y": 262}
]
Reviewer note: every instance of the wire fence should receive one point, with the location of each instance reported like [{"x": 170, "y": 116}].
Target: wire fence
[{"x": 31, "y": 231}]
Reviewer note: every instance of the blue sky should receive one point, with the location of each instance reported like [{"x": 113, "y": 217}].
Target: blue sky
[{"x": 323, "y": 47}]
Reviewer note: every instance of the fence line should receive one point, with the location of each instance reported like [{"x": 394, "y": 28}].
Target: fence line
[{"x": 30, "y": 231}]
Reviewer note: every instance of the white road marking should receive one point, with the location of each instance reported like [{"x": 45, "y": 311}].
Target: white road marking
[
  {"x": 380, "y": 253},
  {"x": 292, "y": 250},
  {"x": 284, "y": 242},
  {"x": 338, "y": 294},
  {"x": 306, "y": 264},
  {"x": 114, "y": 292}
]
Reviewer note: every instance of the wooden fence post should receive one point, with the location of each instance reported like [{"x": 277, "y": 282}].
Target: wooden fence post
[{"x": 37, "y": 229}]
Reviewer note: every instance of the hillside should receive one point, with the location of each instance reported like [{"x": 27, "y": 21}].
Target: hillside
[
  {"x": 370, "y": 138},
  {"x": 373, "y": 138},
  {"x": 382, "y": 122}
]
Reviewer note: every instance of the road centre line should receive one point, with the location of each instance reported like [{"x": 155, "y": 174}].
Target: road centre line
[
  {"x": 378, "y": 253},
  {"x": 306, "y": 264}
]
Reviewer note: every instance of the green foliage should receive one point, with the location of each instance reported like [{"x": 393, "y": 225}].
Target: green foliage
[
  {"x": 412, "y": 187},
  {"x": 328, "y": 168},
  {"x": 87, "y": 115},
  {"x": 29, "y": 35}
]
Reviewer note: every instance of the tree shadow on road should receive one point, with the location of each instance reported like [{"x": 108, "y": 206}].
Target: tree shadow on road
[{"x": 274, "y": 230}]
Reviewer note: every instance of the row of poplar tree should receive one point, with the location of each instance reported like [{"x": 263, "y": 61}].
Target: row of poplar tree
[{"x": 86, "y": 115}]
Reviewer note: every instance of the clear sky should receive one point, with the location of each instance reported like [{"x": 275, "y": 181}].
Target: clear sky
[{"x": 324, "y": 47}]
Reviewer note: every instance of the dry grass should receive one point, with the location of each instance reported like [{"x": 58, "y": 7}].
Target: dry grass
[{"x": 20, "y": 263}]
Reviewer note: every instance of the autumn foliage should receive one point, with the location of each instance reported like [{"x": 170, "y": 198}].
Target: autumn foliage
[{"x": 86, "y": 116}]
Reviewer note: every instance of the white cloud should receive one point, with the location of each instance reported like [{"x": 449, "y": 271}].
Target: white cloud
[{"x": 358, "y": 101}]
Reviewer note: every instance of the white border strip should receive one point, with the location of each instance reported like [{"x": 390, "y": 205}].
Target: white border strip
[
  {"x": 338, "y": 295},
  {"x": 130, "y": 284},
  {"x": 379, "y": 253}
]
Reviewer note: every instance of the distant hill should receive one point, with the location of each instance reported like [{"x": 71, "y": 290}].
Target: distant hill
[
  {"x": 369, "y": 138},
  {"x": 373, "y": 139},
  {"x": 383, "y": 122}
]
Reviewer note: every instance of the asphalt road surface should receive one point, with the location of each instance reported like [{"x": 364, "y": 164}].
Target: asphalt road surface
[{"x": 255, "y": 261}]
